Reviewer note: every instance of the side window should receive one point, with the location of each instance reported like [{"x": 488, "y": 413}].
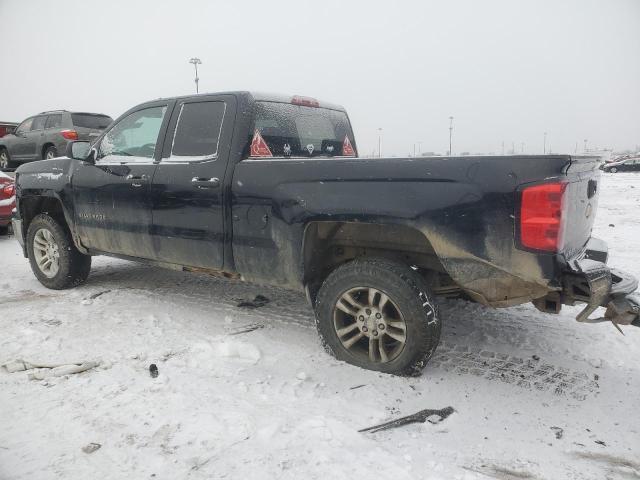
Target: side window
[
  {"x": 25, "y": 126},
  {"x": 54, "y": 121},
  {"x": 135, "y": 135},
  {"x": 198, "y": 130},
  {"x": 38, "y": 122}
]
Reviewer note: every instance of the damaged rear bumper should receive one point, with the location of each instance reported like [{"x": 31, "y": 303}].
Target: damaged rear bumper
[{"x": 589, "y": 280}]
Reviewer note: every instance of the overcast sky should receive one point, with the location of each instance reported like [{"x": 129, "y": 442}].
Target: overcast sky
[{"x": 506, "y": 70}]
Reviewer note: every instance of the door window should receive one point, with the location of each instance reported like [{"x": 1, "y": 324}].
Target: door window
[
  {"x": 134, "y": 136},
  {"x": 54, "y": 121},
  {"x": 198, "y": 131},
  {"x": 38, "y": 122},
  {"x": 25, "y": 126}
]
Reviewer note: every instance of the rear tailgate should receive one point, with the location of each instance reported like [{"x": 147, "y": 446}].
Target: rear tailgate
[{"x": 580, "y": 203}]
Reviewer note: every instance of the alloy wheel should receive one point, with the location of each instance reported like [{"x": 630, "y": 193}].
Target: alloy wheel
[
  {"x": 369, "y": 324},
  {"x": 46, "y": 253}
]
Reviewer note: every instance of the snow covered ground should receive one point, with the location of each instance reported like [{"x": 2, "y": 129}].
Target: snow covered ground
[{"x": 536, "y": 396}]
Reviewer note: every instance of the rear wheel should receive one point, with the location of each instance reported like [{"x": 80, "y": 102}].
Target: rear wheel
[
  {"x": 5, "y": 160},
  {"x": 50, "y": 153},
  {"x": 379, "y": 315},
  {"x": 54, "y": 259}
]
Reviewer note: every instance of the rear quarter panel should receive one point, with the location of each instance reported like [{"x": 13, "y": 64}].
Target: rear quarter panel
[{"x": 463, "y": 206}]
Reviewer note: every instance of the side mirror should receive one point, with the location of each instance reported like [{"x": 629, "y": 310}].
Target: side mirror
[{"x": 79, "y": 151}]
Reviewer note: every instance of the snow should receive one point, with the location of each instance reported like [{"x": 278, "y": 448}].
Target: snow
[{"x": 535, "y": 396}]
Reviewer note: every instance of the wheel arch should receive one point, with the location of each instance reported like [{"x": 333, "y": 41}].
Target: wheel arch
[
  {"x": 32, "y": 205},
  {"x": 329, "y": 244},
  {"x": 44, "y": 148}
]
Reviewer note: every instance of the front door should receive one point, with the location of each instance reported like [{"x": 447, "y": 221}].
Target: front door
[
  {"x": 18, "y": 144},
  {"x": 113, "y": 205},
  {"x": 187, "y": 190}
]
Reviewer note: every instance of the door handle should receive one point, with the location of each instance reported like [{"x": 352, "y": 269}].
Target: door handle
[
  {"x": 137, "y": 181},
  {"x": 200, "y": 182}
]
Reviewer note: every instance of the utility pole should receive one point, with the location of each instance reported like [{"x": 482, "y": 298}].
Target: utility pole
[
  {"x": 196, "y": 61},
  {"x": 450, "y": 135},
  {"x": 503, "y": 147},
  {"x": 522, "y": 147},
  {"x": 544, "y": 147},
  {"x": 585, "y": 145},
  {"x": 419, "y": 147},
  {"x": 379, "y": 142}
]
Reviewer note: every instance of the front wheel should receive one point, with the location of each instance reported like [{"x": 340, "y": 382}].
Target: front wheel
[
  {"x": 379, "y": 315},
  {"x": 54, "y": 259},
  {"x": 613, "y": 169}
]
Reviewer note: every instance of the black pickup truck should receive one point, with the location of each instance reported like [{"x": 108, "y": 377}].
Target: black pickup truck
[{"x": 270, "y": 189}]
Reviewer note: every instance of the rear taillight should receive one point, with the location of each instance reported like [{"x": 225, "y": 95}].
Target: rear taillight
[
  {"x": 541, "y": 217},
  {"x": 7, "y": 190},
  {"x": 70, "y": 134}
]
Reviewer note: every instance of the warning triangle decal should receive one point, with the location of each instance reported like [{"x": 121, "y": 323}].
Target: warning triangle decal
[
  {"x": 259, "y": 147},
  {"x": 347, "y": 149}
]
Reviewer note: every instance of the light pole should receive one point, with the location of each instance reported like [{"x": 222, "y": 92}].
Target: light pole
[
  {"x": 522, "y": 147},
  {"x": 544, "y": 147},
  {"x": 450, "y": 135},
  {"x": 379, "y": 142},
  {"x": 196, "y": 61},
  {"x": 585, "y": 145}
]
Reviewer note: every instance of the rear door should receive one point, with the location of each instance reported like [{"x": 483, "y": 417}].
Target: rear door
[
  {"x": 34, "y": 138},
  {"x": 113, "y": 205},
  {"x": 187, "y": 190}
]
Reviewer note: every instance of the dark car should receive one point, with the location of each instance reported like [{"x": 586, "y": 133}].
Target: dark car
[
  {"x": 628, "y": 164},
  {"x": 271, "y": 189},
  {"x": 46, "y": 135}
]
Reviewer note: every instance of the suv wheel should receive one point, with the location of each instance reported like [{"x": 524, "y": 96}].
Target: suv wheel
[
  {"x": 50, "y": 153},
  {"x": 5, "y": 160},
  {"x": 379, "y": 315},
  {"x": 54, "y": 259}
]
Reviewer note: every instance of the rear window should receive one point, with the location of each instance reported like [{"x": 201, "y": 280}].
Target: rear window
[
  {"x": 87, "y": 120},
  {"x": 301, "y": 131}
]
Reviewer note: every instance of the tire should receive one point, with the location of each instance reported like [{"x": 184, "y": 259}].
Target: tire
[
  {"x": 613, "y": 169},
  {"x": 50, "y": 152},
  {"x": 5, "y": 160},
  {"x": 4, "y": 230},
  {"x": 54, "y": 239},
  {"x": 409, "y": 301}
]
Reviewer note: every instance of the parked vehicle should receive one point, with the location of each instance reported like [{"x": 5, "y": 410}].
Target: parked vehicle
[
  {"x": 624, "y": 165},
  {"x": 46, "y": 135},
  {"x": 270, "y": 189},
  {"x": 7, "y": 201},
  {"x": 6, "y": 128}
]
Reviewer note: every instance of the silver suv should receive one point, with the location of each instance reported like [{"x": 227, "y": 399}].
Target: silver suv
[{"x": 46, "y": 135}]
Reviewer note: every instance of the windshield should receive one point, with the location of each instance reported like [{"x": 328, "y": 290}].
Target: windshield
[
  {"x": 87, "y": 120},
  {"x": 300, "y": 131}
]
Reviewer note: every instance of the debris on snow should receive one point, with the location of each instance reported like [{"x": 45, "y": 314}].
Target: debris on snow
[
  {"x": 257, "y": 302},
  {"x": 92, "y": 447},
  {"x": 249, "y": 328},
  {"x": 43, "y": 370},
  {"x": 558, "y": 431},
  {"x": 153, "y": 370},
  {"x": 419, "y": 417}
]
